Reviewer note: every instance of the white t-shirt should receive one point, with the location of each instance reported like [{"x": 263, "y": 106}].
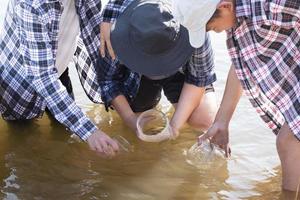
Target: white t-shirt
[{"x": 68, "y": 31}]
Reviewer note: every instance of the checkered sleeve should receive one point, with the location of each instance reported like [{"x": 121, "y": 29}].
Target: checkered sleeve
[
  {"x": 39, "y": 62},
  {"x": 113, "y": 9},
  {"x": 200, "y": 68},
  {"x": 111, "y": 78}
]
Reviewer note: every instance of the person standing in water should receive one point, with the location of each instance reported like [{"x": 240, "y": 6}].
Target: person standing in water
[
  {"x": 263, "y": 39},
  {"x": 36, "y": 44}
]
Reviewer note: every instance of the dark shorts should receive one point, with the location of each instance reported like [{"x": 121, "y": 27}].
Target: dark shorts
[
  {"x": 149, "y": 93},
  {"x": 66, "y": 81}
]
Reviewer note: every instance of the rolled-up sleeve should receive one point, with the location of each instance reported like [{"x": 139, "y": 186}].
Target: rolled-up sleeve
[
  {"x": 199, "y": 71},
  {"x": 113, "y": 9},
  {"x": 111, "y": 78}
]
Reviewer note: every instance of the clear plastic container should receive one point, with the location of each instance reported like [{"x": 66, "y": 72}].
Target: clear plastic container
[
  {"x": 206, "y": 156},
  {"x": 124, "y": 145},
  {"x": 153, "y": 126}
]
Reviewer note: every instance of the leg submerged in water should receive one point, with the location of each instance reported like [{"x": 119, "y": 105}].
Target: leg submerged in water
[{"x": 288, "y": 148}]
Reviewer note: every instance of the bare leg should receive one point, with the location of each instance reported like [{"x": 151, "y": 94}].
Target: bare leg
[
  {"x": 203, "y": 116},
  {"x": 288, "y": 148}
]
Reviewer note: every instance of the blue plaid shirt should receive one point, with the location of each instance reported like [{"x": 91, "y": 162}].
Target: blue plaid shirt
[
  {"x": 29, "y": 81},
  {"x": 115, "y": 79}
]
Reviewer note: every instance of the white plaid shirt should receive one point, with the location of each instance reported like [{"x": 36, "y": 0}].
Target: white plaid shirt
[
  {"x": 28, "y": 77},
  {"x": 265, "y": 50}
]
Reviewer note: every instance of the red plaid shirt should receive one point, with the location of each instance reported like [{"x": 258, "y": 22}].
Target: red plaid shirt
[{"x": 264, "y": 48}]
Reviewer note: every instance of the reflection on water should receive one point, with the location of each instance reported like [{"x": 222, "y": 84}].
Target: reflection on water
[{"x": 39, "y": 161}]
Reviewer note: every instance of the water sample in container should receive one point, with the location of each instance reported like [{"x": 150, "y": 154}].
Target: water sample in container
[
  {"x": 124, "y": 145},
  {"x": 153, "y": 126},
  {"x": 205, "y": 156}
]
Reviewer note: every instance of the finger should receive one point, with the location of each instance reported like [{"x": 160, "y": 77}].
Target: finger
[
  {"x": 228, "y": 152},
  {"x": 114, "y": 145},
  {"x": 98, "y": 149},
  {"x": 110, "y": 49},
  {"x": 202, "y": 138},
  {"x": 106, "y": 148},
  {"x": 110, "y": 152}
]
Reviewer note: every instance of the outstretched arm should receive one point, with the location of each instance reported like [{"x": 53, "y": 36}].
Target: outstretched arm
[
  {"x": 123, "y": 108},
  {"x": 218, "y": 133},
  {"x": 199, "y": 73}
]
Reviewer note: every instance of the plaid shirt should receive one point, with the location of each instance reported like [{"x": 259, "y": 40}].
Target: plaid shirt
[
  {"x": 115, "y": 79},
  {"x": 264, "y": 48},
  {"x": 29, "y": 80}
]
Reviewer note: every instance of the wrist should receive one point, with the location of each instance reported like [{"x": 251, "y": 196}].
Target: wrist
[
  {"x": 222, "y": 118},
  {"x": 85, "y": 129},
  {"x": 222, "y": 124},
  {"x": 174, "y": 125},
  {"x": 130, "y": 120}
]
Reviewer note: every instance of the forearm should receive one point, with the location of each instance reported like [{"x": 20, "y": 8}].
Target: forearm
[
  {"x": 123, "y": 108},
  {"x": 231, "y": 97},
  {"x": 188, "y": 102},
  {"x": 63, "y": 107}
]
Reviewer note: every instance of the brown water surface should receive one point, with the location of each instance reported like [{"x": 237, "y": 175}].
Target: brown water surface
[{"x": 38, "y": 159}]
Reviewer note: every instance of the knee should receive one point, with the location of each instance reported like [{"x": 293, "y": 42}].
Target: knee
[
  {"x": 201, "y": 123},
  {"x": 281, "y": 141},
  {"x": 285, "y": 139}
]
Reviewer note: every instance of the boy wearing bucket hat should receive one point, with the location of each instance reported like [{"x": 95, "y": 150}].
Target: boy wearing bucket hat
[
  {"x": 263, "y": 42},
  {"x": 154, "y": 53}
]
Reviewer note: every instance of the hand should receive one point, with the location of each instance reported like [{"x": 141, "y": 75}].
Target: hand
[
  {"x": 105, "y": 28},
  {"x": 218, "y": 134},
  {"x": 103, "y": 144}
]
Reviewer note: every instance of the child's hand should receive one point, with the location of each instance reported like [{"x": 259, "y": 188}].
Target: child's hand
[
  {"x": 103, "y": 144},
  {"x": 219, "y": 135},
  {"x": 105, "y": 28}
]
